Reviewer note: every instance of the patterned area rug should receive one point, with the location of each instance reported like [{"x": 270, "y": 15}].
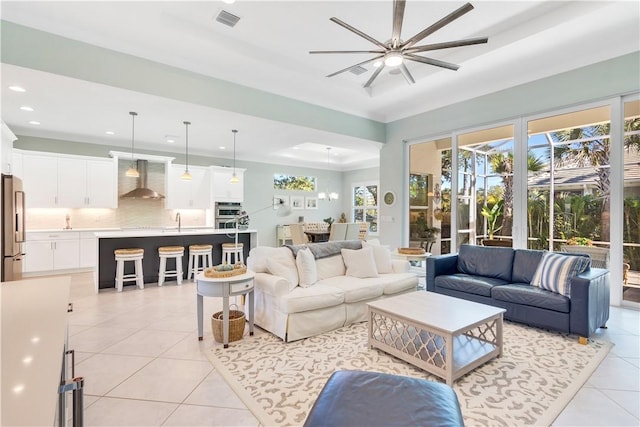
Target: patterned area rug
[{"x": 530, "y": 384}]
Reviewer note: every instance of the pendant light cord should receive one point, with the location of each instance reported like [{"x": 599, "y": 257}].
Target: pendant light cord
[
  {"x": 235, "y": 131},
  {"x": 133, "y": 131},
  {"x": 186, "y": 126}
]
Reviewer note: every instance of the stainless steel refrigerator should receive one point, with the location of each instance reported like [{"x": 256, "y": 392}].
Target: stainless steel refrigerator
[{"x": 13, "y": 234}]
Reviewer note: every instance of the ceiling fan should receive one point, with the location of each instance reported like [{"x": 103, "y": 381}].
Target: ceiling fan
[{"x": 396, "y": 51}]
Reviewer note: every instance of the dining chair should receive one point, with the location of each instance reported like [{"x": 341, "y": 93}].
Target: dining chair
[
  {"x": 353, "y": 231},
  {"x": 364, "y": 230},
  {"x": 338, "y": 231},
  {"x": 297, "y": 234}
]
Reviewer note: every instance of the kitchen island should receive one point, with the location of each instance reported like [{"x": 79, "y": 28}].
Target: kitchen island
[{"x": 151, "y": 239}]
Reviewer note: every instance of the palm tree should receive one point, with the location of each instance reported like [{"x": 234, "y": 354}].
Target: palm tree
[
  {"x": 591, "y": 148},
  {"x": 502, "y": 163}
]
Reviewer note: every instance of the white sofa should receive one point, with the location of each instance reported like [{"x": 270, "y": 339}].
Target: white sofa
[{"x": 305, "y": 290}]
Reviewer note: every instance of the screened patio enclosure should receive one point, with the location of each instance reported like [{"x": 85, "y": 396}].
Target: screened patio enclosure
[{"x": 541, "y": 182}]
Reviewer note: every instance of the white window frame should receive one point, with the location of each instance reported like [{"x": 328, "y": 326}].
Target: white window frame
[{"x": 366, "y": 207}]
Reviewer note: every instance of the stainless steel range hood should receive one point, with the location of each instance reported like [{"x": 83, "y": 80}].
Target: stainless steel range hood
[{"x": 142, "y": 191}]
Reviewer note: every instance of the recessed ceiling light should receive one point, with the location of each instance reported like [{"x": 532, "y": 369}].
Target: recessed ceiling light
[
  {"x": 171, "y": 140},
  {"x": 296, "y": 147},
  {"x": 33, "y": 122},
  {"x": 17, "y": 89},
  {"x": 222, "y": 147},
  {"x": 110, "y": 132},
  {"x": 26, "y": 108}
]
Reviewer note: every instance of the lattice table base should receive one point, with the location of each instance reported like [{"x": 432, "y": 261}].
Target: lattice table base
[{"x": 446, "y": 354}]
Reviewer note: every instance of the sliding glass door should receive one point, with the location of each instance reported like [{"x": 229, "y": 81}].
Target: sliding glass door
[
  {"x": 631, "y": 207},
  {"x": 485, "y": 186}
]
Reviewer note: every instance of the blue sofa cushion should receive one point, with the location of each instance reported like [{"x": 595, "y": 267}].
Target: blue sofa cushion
[
  {"x": 486, "y": 261},
  {"x": 478, "y": 285},
  {"x": 556, "y": 271},
  {"x": 525, "y": 263},
  {"x": 533, "y": 296}
]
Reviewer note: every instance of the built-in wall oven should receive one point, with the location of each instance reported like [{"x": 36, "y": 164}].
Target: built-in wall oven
[{"x": 226, "y": 212}]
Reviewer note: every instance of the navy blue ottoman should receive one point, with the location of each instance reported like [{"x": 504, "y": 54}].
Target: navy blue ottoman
[{"x": 358, "y": 398}]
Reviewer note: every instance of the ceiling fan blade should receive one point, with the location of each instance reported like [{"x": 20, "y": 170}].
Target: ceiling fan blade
[
  {"x": 441, "y": 23},
  {"x": 447, "y": 45},
  {"x": 398, "y": 16},
  {"x": 431, "y": 61},
  {"x": 407, "y": 75},
  {"x": 358, "y": 32},
  {"x": 346, "y": 51},
  {"x": 353, "y": 66},
  {"x": 375, "y": 74}
]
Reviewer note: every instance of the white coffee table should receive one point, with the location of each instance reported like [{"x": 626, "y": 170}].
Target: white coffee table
[{"x": 445, "y": 336}]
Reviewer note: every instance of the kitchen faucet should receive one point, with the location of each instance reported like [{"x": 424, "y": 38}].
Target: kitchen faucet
[{"x": 179, "y": 221}]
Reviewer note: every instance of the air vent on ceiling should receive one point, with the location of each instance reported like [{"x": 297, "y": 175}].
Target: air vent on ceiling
[
  {"x": 357, "y": 70},
  {"x": 228, "y": 19}
]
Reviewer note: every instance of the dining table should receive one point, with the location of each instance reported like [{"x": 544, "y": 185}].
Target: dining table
[{"x": 318, "y": 236}]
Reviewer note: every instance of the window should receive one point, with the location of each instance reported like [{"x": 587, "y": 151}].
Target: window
[
  {"x": 365, "y": 205},
  {"x": 290, "y": 182}
]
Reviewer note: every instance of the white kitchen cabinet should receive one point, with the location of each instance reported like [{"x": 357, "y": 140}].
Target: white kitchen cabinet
[
  {"x": 194, "y": 194},
  {"x": 64, "y": 181},
  {"x": 16, "y": 164},
  {"x": 88, "y": 250},
  {"x": 6, "y": 148},
  {"x": 46, "y": 251},
  {"x": 40, "y": 180},
  {"x": 222, "y": 190}
]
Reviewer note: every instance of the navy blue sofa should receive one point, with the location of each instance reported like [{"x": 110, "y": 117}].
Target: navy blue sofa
[{"x": 501, "y": 277}]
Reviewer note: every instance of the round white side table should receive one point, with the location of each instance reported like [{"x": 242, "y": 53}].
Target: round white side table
[{"x": 224, "y": 287}]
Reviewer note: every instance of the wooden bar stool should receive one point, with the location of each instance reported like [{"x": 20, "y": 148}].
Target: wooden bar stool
[
  {"x": 195, "y": 253},
  {"x": 175, "y": 252},
  {"x": 130, "y": 254},
  {"x": 229, "y": 249}
]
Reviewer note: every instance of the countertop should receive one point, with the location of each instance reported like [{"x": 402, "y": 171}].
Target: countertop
[
  {"x": 34, "y": 327},
  {"x": 169, "y": 232}
]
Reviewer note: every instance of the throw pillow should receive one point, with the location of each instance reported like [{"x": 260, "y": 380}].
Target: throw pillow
[
  {"x": 330, "y": 267},
  {"x": 382, "y": 256},
  {"x": 555, "y": 271},
  {"x": 284, "y": 265},
  {"x": 307, "y": 272},
  {"x": 360, "y": 262}
]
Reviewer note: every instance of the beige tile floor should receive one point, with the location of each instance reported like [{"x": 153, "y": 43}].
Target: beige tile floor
[{"x": 143, "y": 365}]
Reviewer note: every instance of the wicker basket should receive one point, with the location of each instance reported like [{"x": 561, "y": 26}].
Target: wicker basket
[
  {"x": 236, "y": 325},
  {"x": 237, "y": 270},
  {"x": 411, "y": 251}
]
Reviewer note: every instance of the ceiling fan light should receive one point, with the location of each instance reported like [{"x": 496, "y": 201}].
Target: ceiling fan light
[
  {"x": 378, "y": 63},
  {"x": 393, "y": 59}
]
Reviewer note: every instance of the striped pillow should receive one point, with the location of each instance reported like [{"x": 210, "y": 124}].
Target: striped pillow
[{"x": 555, "y": 271}]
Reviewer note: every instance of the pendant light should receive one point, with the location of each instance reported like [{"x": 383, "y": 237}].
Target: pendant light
[
  {"x": 327, "y": 195},
  {"x": 234, "y": 178},
  {"x": 132, "y": 172},
  {"x": 186, "y": 176}
]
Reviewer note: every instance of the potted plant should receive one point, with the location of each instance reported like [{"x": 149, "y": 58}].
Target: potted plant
[
  {"x": 422, "y": 231},
  {"x": 329, "y": 221},
  {"x": 580, "y": 241},
  {"x": 492, "y": 215}
]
